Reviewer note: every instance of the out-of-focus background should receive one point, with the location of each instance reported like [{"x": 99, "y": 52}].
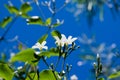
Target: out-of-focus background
[{"x": 96, "y": 23}]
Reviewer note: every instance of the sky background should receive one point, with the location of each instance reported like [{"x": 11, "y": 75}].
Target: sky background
[{"x": 107, "y": 31}]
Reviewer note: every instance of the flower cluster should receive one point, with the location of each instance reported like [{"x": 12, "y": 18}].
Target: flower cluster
[{"x": 63, "y": 40}]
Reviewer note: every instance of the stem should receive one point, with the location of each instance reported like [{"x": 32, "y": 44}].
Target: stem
[
  {"x": 9, "y": 27},
  {"x": 63, "y": 63},
  {"x": 45, "y": 62},
  {"x": 41, "y": 12},
  {"x": 54, "y": 75},
  {"x": 58, "y": 60}
]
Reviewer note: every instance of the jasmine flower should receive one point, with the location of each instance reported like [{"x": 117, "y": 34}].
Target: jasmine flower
[
  {"x": 64, "y": 40},
  {"x": 39, "y": 47}
]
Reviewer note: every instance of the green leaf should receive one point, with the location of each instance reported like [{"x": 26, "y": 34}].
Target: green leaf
[
  {"x": 12, "y": 9},
  {"x": 114, "y": 75},
  {"x": 20, "y": 46},
  {"x": 56, "y": 25},
  {"x": 49, "y": 54},
  {"x": 35, "y": 20},
  {"x": 24, "y": 56},
  {"x": 49, "y": 75},
  {"x": 48, "y": 22},
  {"x": 101, "y": 79},
  {"x": 32, "y": 76},
  {"x": 25, "y": 8},
  {"x": 5, "y": 21},
  {"x": 56, "y": 33},
  {"x": 43, "y": 38},
  {"x": 24, "y": 15},
  {"x": 6, "y": 72}
]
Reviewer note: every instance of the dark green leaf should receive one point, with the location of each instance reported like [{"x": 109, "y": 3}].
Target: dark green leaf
[
  {"x": 5, "y": 21},
  {"x": 101, "y": 79},
  {"x": 49, "y": 75},
  {"x": 24, "y": 56},
  {"x": 114, "y": 75},
  {"x": 5, "y": 72},
  {"x": 43, "y": 38},
  {"x": 35, "y": 20},
  {"x": 12, "y": 9},
  {"x": 25, "y": 8},
  {"x": 56, "y": 33}
]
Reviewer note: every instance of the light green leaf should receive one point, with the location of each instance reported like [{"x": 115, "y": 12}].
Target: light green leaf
[
  {"x": 56, "y": 25},
  {"x": 49, "y": 75},
  {"x": 5, "y": 21},
  {"x": 35, "y": 20},
  {"x": 25, "y": 8},
  {"x": 49, "y": 54},
  {"x": 114, "y": 75},
  {"x": 24, "y": 56},
  {"x": 43, "y": 38},
  {"x": 32, "y": 76},
  {"x": 12, "y": 9},
  {"x": 56, "y": 33},
  {"x": 48, "y": 22},
  {"x": 6, "y": 72},
  {"x": 24, "y": 15}
]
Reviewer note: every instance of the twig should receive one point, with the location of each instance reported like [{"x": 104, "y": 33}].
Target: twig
[{"x": 9, "y": 27}]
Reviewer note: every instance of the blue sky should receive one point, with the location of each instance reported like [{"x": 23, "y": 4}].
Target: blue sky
[{"x": 107, "y": 31}]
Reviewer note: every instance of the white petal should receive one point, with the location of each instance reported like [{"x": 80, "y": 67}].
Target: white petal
[
  {"x": 43, "y": 43},
  {"x": 37, "y": 52},
  {"x": 70, "y": 37},
  {"x": 35, "y": 47},
  {"x": 45, "y": 47},
  {"x": 73, "y": 77},
  {"x": 63, "y": 37},
  {"x": 73, "y": 39}
]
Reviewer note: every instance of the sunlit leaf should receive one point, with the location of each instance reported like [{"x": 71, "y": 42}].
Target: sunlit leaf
[
  {"x": 48, "y": 22},
  {"x": 5, "y": 72},
  {"x": 56, "y": 25},
  {"x": 49, "y": 75},
  {"x": 24, "y": 15},
  {"x": 25, "y": 8},
  {"x": 114, "y": 75},
  {"x": 49, "y": 54},
  {"x": 12, "y": 9},
  {"x": 32, "y": 76},
  {"x": 56, "y": 33},
  {"x": 24, "y": 56},
  {"x": 5, "y": 21},
  {"x": 43, "y": 38},
  {"x": 35, "y": 20}
]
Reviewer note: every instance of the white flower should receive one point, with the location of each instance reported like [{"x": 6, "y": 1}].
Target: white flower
[
  {"x": 59, "y": 41},
  {"x": 40, "y": 46},
  {"x": 73, "y": 77},
  {"x": 59, "y": 22},
  {"x": 70, "y": 40},
  {"x": 64, "y": 40}
]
